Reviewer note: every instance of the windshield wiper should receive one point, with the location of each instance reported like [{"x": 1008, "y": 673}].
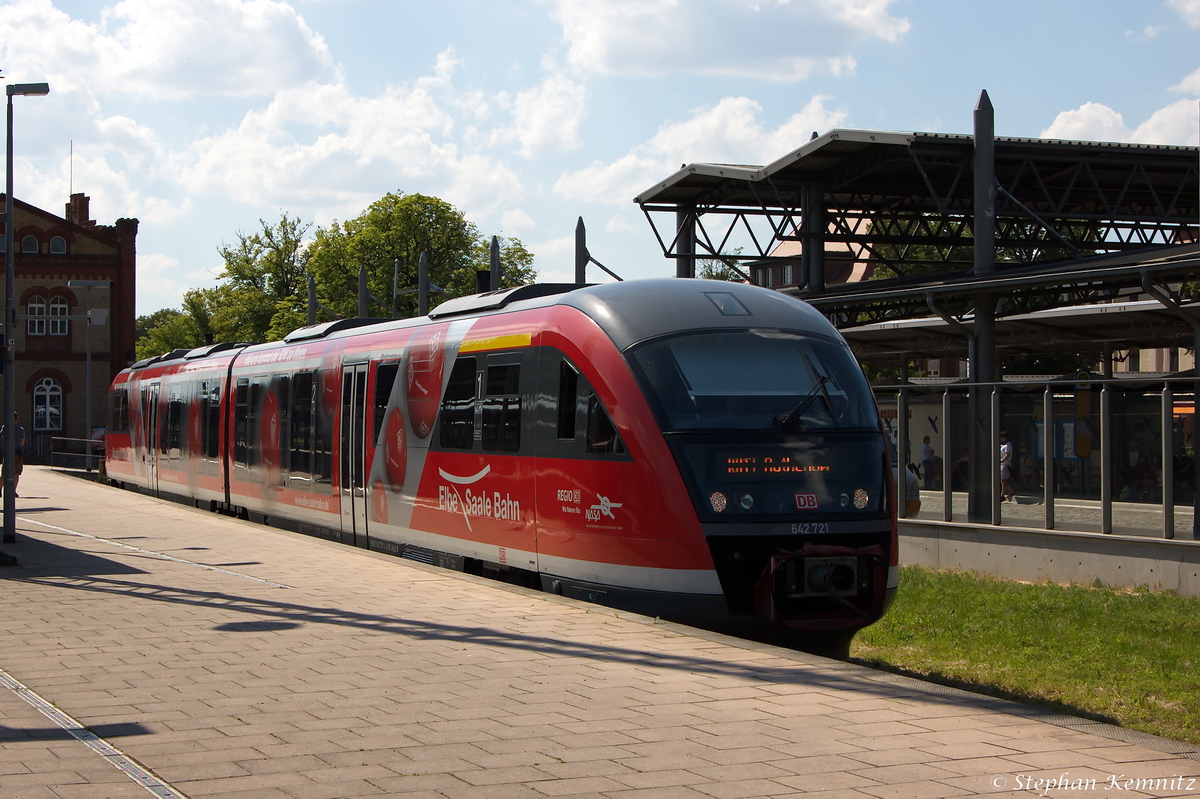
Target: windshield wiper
[{"x": 793, "y": 416}]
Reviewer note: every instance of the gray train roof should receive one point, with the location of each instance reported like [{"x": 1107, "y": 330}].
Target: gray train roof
[
  {"x": 636, "y": 310},
  {"x": 629, "y": 312}
]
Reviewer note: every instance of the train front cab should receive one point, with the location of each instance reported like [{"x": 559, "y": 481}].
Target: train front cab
[{"x": 777, "y": 437}]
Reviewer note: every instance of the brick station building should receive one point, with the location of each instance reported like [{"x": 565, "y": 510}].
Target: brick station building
[{"x": 52, "y": 331}]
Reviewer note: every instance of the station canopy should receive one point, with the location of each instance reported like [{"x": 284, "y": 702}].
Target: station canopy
[{"x": 875, "y": 229}]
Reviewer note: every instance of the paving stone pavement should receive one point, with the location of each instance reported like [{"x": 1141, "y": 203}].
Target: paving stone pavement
[{"x": 232, "y": 660}]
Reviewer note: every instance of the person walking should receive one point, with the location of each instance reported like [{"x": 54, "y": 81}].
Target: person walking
[
  {"x": 20, "y": 458},
  {"x": 1006, "y": 459}
]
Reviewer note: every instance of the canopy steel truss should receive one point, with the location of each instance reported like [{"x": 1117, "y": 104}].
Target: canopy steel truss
[{"x": 903, "y": 204}]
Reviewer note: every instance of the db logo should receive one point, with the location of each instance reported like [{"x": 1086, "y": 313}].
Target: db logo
[{"x": 806, "y": 501}]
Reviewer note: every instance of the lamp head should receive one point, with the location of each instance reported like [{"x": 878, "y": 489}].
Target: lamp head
[{"x": 28, "y": 89}]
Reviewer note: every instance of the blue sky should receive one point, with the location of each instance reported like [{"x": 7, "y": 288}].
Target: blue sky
[{"x": 201, "y": 117}]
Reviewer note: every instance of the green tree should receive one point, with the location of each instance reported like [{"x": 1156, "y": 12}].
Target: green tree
[
  {"x": 516, "y": 263},
  {"x": 388, "y": 239},
  {"x": 263, "y": 293},
  {"x": 264, "y": 273},
  {"x": 165, "y": 330},
  {"x": 722, "y": 269},
  {"x": 144, "y": 324}
]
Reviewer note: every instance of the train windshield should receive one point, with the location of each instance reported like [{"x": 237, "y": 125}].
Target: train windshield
[{"x": 764, "y": 380}]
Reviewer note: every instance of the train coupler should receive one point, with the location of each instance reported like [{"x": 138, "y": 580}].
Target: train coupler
[{"x": 822, "y": 583}]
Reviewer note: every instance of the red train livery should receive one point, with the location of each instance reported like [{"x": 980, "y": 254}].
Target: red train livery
[{"x": 689, "y": 449}]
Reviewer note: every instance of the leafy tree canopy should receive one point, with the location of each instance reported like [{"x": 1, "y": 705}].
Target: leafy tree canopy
[
  {"x": 721, "y": 269},
  {"x": 263, "y": 293}
]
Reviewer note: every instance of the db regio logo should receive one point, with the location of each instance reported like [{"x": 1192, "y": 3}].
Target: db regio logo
[{"x": 806, "y": 501}]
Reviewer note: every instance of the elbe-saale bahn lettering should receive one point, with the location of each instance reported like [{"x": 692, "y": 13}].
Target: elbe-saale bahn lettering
[{"x": 680, "y": 448}]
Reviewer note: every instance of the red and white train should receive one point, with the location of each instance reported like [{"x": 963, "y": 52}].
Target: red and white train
[{"x": 682, "y": 448}]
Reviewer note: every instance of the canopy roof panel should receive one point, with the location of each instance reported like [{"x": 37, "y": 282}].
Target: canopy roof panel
[{"x": 1107, "y": 178}]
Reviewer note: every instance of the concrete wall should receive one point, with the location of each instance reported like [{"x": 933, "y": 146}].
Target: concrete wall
[{"x": 1017, "y": 553}]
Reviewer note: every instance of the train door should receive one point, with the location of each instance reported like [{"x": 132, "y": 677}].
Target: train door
[
  {"x": 353, "y": 454},
  {"x": 150, "y": 434}
]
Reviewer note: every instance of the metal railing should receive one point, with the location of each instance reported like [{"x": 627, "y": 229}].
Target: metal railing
[
  {"x": 1095, "y": 422},
  {"x": 75, "y": 453}
]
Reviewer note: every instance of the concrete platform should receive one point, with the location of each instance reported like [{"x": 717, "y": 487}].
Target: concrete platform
[{"x": 147, "y": 647}]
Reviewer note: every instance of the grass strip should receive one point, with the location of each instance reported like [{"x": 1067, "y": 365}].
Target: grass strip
[{"x": 1126, "y": 657}]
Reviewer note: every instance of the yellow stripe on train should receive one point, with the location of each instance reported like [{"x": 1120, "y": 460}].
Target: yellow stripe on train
[{"x": 497, "y": 342}]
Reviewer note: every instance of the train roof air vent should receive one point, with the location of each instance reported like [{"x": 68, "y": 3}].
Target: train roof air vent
[
  {"x": 726, "y": 303},
  {"x": 173, "y": 355},
  {"x": 325, "y": 328},
  {"x": 491, "y": 300},
  {"x": 213, "y": 349}
]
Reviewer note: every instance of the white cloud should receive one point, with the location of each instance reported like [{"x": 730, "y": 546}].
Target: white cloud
[
  {"x": 778, "y": 40},
  {"x": 1089, "y": 122},
  {"x": 561, "y": 253},
  {"x": 515, "y": 220},
  {"x": 1174, "y": 124},
  {"x": 1189, "y": 85},
  {"x": 620, "y": 224},
  {"x": 165, "y": 49},
  {"x": 320, "y": 143},
  {"x": 443, "y": 70},
  {"x": 161, "y": 281},
  {"x": 113, "y": 190},
  {"x": 1190, "y": 9},
  {"x": 729, "y": 133},
  {"x": 1147, "y": 33},
  {"x": 546, "y": 118}
]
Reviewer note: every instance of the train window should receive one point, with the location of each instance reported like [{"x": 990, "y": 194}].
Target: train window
[
  {"x": 300, "y": 447},
  {"x": 253, "y": 442},
  {"x": 602, "y": 437},
  {"x": 324, "y": 403},
  {"x": 385, "y": 380},
  {"x": 501, "y": 417},
  {"x": 174, "y": 437},
  {"x": 568, "y": 388},
  {"x": 754, "y": 380},
  {"x": 281, "y": 388},
  {"x": 119, "y": 410},
  {"x": 241, "y": 420},
  {"x": 458, "y": 406},
  {"x": 201, "y": 447},
  {"x": 212, "y": 421}
]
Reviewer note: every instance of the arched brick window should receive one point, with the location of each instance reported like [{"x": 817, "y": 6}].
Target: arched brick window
[
  {"x": 47, "y": 404},
  {"x": 35, "y": 309},
  {"x": 58, "y": 316},
  {"x": 58, "y": 246},
  {"x": 30, "y": 244}
]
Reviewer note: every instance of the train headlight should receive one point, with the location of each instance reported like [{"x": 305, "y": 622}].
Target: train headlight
[
  {"x": 845, "y": 500},
  {"x": 861, "y": 498},
  {"x": 718, "y": 501},
  {"x": 747, "y": 502}
]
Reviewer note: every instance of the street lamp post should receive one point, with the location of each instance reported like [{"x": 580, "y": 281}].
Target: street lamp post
[
  {"x": 10, "y": 320},
  {"x": 87, "y": 369}
]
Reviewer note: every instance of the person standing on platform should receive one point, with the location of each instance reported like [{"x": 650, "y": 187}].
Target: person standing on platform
[
  {"x": 20, "y": 459},
  {"x": 927, "y": 464},
  {"x": 1006, "y": 459}
]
